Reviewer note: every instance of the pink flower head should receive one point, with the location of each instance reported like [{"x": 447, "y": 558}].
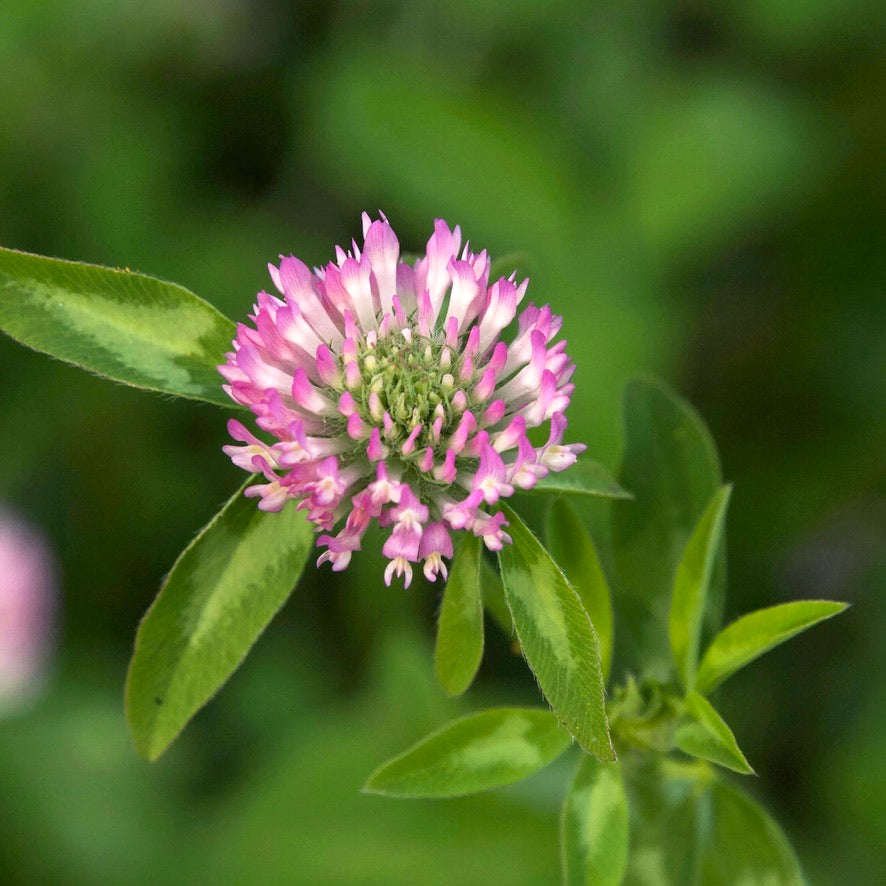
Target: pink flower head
[
  {"x": 27, "y": 599},
  {"x": 393, "y": 398}
]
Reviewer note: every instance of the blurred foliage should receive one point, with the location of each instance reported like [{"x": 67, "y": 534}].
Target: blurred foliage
[{"x": 699, "y": 189}]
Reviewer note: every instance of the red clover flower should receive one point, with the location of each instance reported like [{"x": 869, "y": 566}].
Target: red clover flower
[{"x": 393, "y": 399}]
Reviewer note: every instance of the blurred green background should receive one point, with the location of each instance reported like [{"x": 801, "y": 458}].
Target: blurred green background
[{"x": 698, "y": 187}]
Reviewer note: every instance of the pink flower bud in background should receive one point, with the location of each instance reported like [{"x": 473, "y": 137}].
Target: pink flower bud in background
[{"x": 27, "y": 601}]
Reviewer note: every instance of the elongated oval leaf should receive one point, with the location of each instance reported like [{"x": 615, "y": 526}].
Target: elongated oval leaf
[
  {"x": 745, "y": 845},
  {"x": 474, "y": 753},
  {"x": 129, "y": 327},
  {"x": 594, "y": 826},
  {"x": 751, "y": 635},
  {"x": 690, "y": 592},
  {"x": 459, "y": 646},
  {"x": 670, "y": 464},
  {"x": 707, "y": 736},
  {"x": 585, "y": 477},
  {"x": 222, "y": 592},
  {"x": 575, "y": 553},
  {"x": 557, "y": 637}
]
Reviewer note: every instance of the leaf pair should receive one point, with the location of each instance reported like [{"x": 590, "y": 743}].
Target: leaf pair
[
  {"x": 228, "y": 583},
  {"x": 554, "y": 630},
  {"x": 703, "y": 733},
  {"x": 669, "y": 547}
]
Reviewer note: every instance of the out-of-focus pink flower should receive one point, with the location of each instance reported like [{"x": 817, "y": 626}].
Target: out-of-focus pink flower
[
  {"x": 27, "y": 599},
  {"x": 392, "y": 398}
]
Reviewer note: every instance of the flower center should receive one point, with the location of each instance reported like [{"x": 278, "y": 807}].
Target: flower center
[{"x": 405, "y": 387}]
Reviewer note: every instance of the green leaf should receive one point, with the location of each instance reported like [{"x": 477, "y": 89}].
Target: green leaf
[
  {"x": 670, "y": 464},
  {"x": 460, "y": 626},
  {"x": 126, "y": 326},
  {"x": 745, "y": 845},
  {"x": 474, "y": 753},
  {"x": 575, "y": 553},
  {"x": 751, "y": 635},
  {"x": 494, "y": 598},
  {"x": 585, "y": 477},
  {"x": 708, "y": 737},
  {"x": 691, "y": 587},
  {"x": 594, "y": 826},
  {"x": 557, "y": 637},
  {"x": 223, "y": 590}
]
